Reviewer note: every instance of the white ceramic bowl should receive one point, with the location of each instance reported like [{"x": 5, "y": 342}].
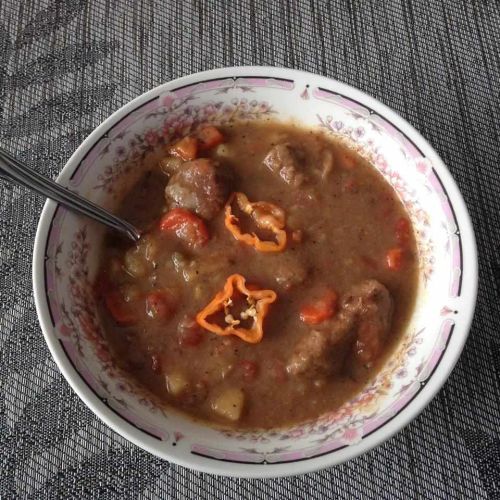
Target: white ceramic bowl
[{"x": 67, "y": 248}]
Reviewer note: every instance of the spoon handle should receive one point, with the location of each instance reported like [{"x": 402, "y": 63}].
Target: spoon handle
[{"x": 14, "y": 170}]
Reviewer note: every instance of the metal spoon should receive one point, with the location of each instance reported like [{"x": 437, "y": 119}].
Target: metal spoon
[{"x": 13, "y": 170}]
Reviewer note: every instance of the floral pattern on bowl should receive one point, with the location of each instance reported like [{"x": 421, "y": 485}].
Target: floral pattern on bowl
[
  {"x": 69, "y": 248},
  {"x": 173, "y": 118}
]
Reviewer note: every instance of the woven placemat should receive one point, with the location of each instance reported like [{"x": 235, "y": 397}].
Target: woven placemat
[{"x": 65, "y": 65}]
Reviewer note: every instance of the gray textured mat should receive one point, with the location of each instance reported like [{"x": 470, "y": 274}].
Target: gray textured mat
[{"x": 65, "y": 65}]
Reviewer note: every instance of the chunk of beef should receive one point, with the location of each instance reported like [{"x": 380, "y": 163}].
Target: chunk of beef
[
  {"x": 317, "y": 353},
  {"x": 201, "y": 186},
  {"x": 284, "y": 161},
  {"x": 371, "y": 302},
  {"x": 170, "y": 165},
  {"x": 363, "y": 320}
]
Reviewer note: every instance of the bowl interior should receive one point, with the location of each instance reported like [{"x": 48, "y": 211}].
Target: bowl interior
[{"x": 110, "y": 159}]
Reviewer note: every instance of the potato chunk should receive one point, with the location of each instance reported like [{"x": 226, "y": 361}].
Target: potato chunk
[
  {"x": 229, "y": 404},
  {"x": 176, "y": 382},
  {"x": 135, "y": 263},
  {"x": 149, "y": 247}
]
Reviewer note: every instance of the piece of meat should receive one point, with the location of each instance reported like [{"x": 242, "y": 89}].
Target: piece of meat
[
  {"x": 170, "y": 165},
  {"x": 363, "y": 320},
  {"x": 317, "y": 353},
  {"x": 372, "y": 304},
  {"x": 201, "y": 186},
  {"x": 283, "y": 161}
]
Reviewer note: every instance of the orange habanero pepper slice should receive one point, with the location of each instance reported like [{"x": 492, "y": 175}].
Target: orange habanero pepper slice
[
  {"x": 265, "y": 215},
  {"x": 258, "y": 306}
]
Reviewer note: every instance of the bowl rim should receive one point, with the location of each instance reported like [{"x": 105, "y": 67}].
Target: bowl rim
[{"x": 213, "y": 466}]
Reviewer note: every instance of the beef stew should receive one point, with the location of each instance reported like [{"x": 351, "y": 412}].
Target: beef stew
[{"x": 276, "y": 273}]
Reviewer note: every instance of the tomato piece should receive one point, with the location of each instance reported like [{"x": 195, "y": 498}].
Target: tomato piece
[
  {"x": 209, "y": 137},
  {"x": 159, "y": 304},
  {"x": 321, "y": 310},
  {"x": 186, "y": 225},
  {"x": 190, "y": 334},
  {"x": 190, "y": 338},
  {"x": 119, "y": 308},
  {"x": 186, "y": 148},
  {"x": 249, "y": 369},
  {"x": 403, "y": 230},
  {"x": 394, "y": 259}
]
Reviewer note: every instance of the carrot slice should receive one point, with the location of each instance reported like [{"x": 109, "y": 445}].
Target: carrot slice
[
  {"x": 119, "y": 309},
  {"x": 186, "y": 225},
  {"x": 394, "y": 259},
  {"x": 159, "y": 304},
  {"x": 321, "y": 310},
  {"x": 209, "y": 137},
  {"x": 186, "y": 148}
]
